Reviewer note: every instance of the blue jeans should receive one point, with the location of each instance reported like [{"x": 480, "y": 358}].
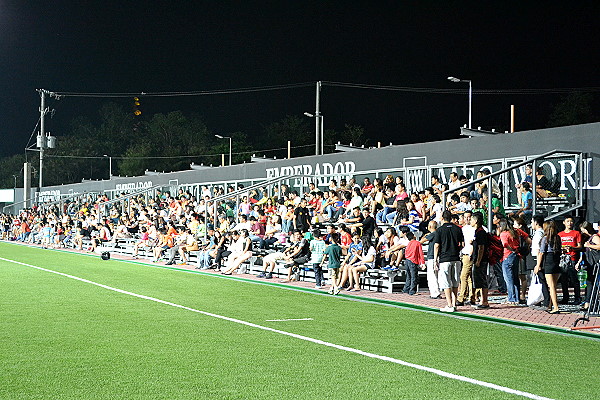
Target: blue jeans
[
  {"x": 391, "y": 217},
  {"x": 286, "y": 225},
  {"x": 318, "y": 274},
  {"x": 412, "y": 276},
  {"x": 331, "y": 210},
  {"x": 382, "y": 214},
  {"x": 510, "y": 270},
  {"x": 204, "y": 259}
]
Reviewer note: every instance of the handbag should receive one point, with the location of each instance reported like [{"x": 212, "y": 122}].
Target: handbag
[
  {"x": 565, "y": 262},
  {"x": 534, "y": 294}
]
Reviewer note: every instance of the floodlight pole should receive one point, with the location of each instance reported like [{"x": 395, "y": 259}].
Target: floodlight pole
[
  {"x": 230, "y": 145},
  {"x": 109, "y": 165},
  {"x": 453, "y": 79}
]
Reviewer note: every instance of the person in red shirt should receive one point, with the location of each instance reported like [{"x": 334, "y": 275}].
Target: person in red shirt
[
  {"x": 510, "y": 261},
  {"x": 413, "y": 255},
  {"x": 571, "y": 245},
  {"x": 367, "y": 187}
]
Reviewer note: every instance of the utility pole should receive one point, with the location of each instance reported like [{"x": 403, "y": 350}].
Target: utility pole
[
  {"x": 41, "y": 142},
  {"x": 44, "y": 140},
  {"x": 318, "y": 123}
]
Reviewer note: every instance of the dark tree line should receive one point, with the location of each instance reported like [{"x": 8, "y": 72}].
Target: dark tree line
[{"x": 160, "y": 142}]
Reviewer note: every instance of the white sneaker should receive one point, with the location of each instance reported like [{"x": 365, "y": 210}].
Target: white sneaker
[{"x": 447, "y": 309}]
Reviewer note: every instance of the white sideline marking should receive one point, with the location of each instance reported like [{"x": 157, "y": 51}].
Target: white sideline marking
[
  {"x": 305, "y": 338},
  {"x": 289, "y": 319}
]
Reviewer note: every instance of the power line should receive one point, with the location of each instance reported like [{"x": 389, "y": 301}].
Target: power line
[
  {"x": 409, "y": 89},
  {"x": 460, "y": 91},
  {"x": 188, "y": 93}
]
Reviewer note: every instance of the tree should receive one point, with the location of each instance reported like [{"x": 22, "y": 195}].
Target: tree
[
  {"x": 575, "y": 108},
  {"x": 295, "y": 129}
]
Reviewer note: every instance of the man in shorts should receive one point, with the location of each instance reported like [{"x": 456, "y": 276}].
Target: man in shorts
[{"x": 449, "y": 241}]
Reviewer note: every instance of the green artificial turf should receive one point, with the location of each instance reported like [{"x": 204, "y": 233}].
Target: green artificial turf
[{"x": 62, "y": 338}]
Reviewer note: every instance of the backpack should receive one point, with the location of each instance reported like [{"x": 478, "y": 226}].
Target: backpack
[{"x": 495, "y": 249}]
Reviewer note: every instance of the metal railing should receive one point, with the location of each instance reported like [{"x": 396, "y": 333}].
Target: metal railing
[{"x": 533, "y": 160}]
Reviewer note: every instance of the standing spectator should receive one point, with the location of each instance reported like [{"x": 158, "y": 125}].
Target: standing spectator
[
  {"x": 571, "y": 244},
  {"x": 414, "y": 259},
  {"x": 333, "y": 252},
  {"x": 302, "y": 217},
  {"x": 480, "y": 260},
  {"x": 432, "y": 282},
  {"x": 592, "y": 260},
  {"x": 317, "y": 250},
  {"x": 466, "y": 292},
  {"x": 548, "y": 261},
  {"x": 510, "y": 260},
  {"x": 524, "y": 247},
  {"x": 537, "y": 224},
  {"x": 448, "y": 242}
]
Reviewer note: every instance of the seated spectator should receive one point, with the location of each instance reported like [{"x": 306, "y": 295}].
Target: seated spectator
[
  {"x": 366, "y": 261},
  {"x": 190, "y": 244},
  {"x": 299, "y": 256},
  {"x": 272, "y": 232},
  {"x": 207, "y": 252},
  {"x": 525, "y": 200},
  {"x": 454, "y": 181},
  {"x": 242, "y": 252},
  {"x": 367, "y": 186},
  {"x": 270, "y": 260},
  {"x": 543, "y": 184},
  {"x": 388, "y": 207},
  {"x": 412, "y": 221}
]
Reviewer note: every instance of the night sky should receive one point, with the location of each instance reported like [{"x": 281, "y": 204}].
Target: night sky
[{"x": 152, "y": 46}]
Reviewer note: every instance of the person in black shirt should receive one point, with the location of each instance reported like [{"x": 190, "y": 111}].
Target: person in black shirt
[
  {"x": 367, "y": 225},
  {"x": 480, "y": 260},
  {"x": 302, "y": 217},
  {"x": 543, "y": 184},
  {"x": 448, "y": 243}
]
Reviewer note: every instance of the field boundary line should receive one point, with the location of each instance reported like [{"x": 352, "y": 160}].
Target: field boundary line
[{"x": 296, "y": 336}]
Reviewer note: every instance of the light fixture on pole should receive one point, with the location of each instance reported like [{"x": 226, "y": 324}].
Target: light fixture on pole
[
  {"x": 226, "y": 137},
  {"x": 453, "y": 79},
  {"x": 109, "y": 165}
]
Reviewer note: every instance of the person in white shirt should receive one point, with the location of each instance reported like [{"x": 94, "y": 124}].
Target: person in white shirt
[
  {"x": 454, "y": 182},
  {"x": 537, "y": 223},
  {"x": 465, "y": 292}
]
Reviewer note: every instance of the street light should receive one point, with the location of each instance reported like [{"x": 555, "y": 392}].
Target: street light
[
  {"x": 318, "y": 133},
  {"x": 109, "y": 165},
  {"x": 453, "y": 79},
  {"x": 226, "y": 137}
]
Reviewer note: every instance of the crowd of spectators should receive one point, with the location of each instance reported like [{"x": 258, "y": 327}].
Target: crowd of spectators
[{"x": 378, "y": 224}]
